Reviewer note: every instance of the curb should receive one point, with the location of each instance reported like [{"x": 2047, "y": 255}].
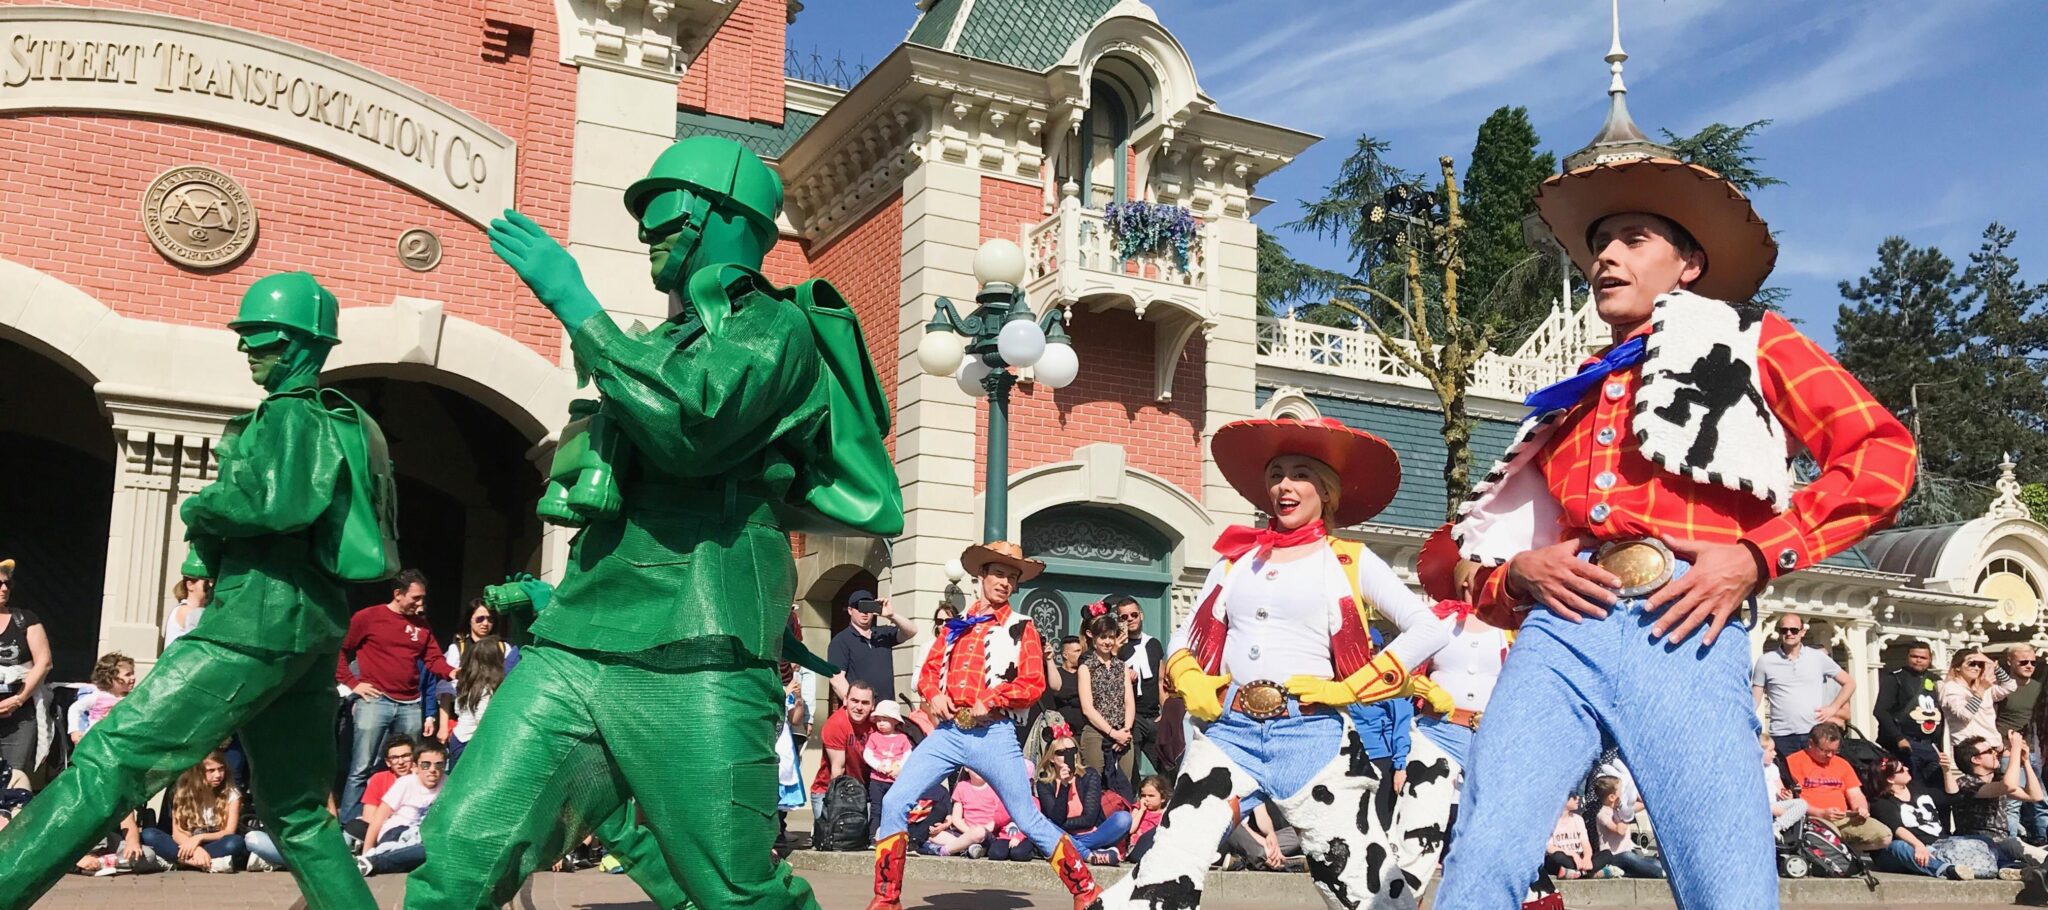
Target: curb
[{"x": 1288, "y": 889}]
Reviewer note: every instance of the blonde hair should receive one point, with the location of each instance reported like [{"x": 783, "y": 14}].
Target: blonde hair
[
  {"x": 1327, "y": 485},
  {"x": 193, "y": 791}
]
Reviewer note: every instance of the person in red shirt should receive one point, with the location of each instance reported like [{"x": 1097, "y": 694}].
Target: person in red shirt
[
  {"x": 844, "y": 737},
  {"x": 983, "y": 669},
  {"x": 1644, "y": 500},
  {"x": 398, "y": 749},
  {"x": 387, "y": 645},
  {"x": 1832, "y": 791}
]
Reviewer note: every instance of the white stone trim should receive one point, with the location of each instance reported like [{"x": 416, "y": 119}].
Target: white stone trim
[{"x": 1099, "y": 474}]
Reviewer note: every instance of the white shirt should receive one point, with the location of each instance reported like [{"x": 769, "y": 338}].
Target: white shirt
[
  {"x": 173, "y": 629},
  {"x": 1468, "y": 667},
  {"x": 466, "y": 720},
  {"x": 1279, "y": 620},
  {"x": 409, "y": 801}
]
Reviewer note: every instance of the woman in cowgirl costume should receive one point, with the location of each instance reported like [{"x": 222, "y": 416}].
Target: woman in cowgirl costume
[{"x": 1276, "y": 649}]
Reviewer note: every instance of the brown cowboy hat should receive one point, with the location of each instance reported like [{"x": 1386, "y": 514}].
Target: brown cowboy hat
[
  {"x": 1738, "y": 244},
  {"x": 977, "y": 558},
  {"x": 1367, "y": 468}
]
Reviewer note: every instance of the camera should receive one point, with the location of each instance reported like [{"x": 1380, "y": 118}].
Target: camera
[{"x": 866, "y": 604}]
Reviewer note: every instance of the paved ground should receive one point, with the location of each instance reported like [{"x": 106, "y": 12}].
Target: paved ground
[{"x": 593, "y": 890}]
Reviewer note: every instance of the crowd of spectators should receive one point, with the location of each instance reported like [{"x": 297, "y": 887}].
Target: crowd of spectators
[{"x": 1954, "y": 789}]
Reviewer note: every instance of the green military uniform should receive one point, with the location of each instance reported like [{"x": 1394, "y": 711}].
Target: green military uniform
[
  {"x": 261, "y": 660},
  {"x": 653, "y": 671}
]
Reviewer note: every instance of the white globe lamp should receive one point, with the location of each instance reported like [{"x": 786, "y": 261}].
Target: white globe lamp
[
  {"x": 999, "y": 261},
  {"x": 1058, "y": 367},
  {"x": 939, "y": 352},
  {"x": 972, "y": 372},
  {"x": 1021, "y": 342}
]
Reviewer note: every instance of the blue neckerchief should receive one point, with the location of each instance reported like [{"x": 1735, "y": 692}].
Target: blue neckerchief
[
  {"x": 958, "y": 625},
  {"x": 1566, "y": 392}
]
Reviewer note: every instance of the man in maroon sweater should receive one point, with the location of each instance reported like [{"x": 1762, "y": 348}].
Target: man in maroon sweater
[{"x": 387, "y": 644}]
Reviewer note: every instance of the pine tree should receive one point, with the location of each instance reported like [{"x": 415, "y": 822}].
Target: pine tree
[
  {"x": 1505, "y": 278},
  {"x": 2006, "y": 364}
]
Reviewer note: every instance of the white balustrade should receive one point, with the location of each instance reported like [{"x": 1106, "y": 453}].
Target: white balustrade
[{"x": 1360, "y": 354}]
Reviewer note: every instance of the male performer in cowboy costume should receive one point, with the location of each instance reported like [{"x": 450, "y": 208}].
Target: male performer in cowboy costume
[
  {"x": 301, "y": 504},
  {"x": 710, "y": 439},
  {"x": 1642, "y": 504},
  {"x": 1276, "y": 649},
  {"x": 984, "y": 669}
]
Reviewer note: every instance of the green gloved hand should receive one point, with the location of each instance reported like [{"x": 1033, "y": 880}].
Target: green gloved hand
[{"x": 545, "y": 266}]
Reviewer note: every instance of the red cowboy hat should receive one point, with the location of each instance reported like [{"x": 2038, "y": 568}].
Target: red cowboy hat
[{"x": 1367, "y": 469}]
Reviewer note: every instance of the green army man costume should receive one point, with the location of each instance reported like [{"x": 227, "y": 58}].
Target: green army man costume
[
  {"x": 652, "y": 675},
  {"x": 302, "y": 504}
]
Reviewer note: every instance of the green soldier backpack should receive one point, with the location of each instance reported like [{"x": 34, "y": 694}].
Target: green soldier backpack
[
  {"x": 848, "y": 481},
  {"x": 359, "y": 541}
]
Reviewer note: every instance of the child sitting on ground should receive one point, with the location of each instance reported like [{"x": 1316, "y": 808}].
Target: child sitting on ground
[
  {"x": 977, "y": 812},
  {"x": 1153, "y": 795},
  {"x": 206, "y": 820},
  {"x": 1787, "y": 811},
  {"x": 1617, "y": 839},
  {"x": 1570, "y": 854}
]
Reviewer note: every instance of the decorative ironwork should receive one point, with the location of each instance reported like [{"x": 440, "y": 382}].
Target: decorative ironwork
[
  {"x": 1048, "y": 610},
  {"x": 813, "y": 67},
  {"x": 1088, "y": 539}
]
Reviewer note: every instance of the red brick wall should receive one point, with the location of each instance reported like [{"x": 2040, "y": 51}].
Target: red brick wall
[
  {"x": 71, "y": 209},
  {"x": 739, "y": 74},
  {"x": 866, "y": 264},
  {"x": 1112, "y": 399},
  {"x": 786, "y": 264}
]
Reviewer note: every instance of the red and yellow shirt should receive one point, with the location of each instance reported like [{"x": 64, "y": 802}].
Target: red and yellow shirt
[{"x": 999, "y": 663}]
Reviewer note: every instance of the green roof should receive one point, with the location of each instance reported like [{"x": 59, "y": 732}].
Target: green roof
[
  {"x": 1417, "y": 436},
  {"x": 1032, "y": 34},
  {"x": 764, "y": 139}
]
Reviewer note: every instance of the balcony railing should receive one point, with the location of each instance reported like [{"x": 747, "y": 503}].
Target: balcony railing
[
  {"x": 1359, "y": 354},
  {"x": 1074, "y": 254}
]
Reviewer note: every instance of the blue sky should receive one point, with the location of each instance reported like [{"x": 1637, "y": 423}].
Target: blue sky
[{"x": 1922, "y": 119}]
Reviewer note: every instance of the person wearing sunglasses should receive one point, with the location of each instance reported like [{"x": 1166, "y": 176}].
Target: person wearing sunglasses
[
  {"x": 392, "y": 843},
  {"x": 1982, "y": 814},
  {"x": 1794, "y": 678},
  {"x": 1969, "y": 696}
]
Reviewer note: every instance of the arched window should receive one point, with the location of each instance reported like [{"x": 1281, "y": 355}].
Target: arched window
[
  {"x": 2013, "y": 585},
  {"x": 1120, "y": 101}
]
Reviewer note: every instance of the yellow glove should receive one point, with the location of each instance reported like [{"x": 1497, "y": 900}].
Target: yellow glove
[
  {"x": 1383, "y": 678},
  {"x": 1440, "y": 701},
  {"x": 1201, "y": 692}
]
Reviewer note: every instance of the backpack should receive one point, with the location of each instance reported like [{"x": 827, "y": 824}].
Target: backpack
[
  {"x": 845, "y": 824},
  {"x": 1863, "y": 757},
  {"x": 846, "y": 482},
  {"x": 359, "y": 541},
  {"x": 1815, "y": 849}
]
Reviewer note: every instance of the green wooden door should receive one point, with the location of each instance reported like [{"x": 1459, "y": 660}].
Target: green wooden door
[{"x": 1092, "y": 552}]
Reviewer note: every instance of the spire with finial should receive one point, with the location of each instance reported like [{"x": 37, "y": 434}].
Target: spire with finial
[{"x": 1620, "y": 139}]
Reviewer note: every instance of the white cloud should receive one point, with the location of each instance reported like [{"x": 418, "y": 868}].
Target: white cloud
[{"x": 1885, "y": 47}]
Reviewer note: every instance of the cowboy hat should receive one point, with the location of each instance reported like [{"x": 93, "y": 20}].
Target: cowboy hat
[
  {"x": 1738, "y": 244},
  {"x": 977, "y": 558},
  {"x": 1367, "y": 469}
]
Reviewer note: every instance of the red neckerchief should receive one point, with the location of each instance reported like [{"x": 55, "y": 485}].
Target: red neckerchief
[
  {"x": 1455, "y": 610},
  {"x": 1238, "y": 540}
]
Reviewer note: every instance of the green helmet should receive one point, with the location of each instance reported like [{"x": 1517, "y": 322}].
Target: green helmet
[
  {"x": 287, "y": 300},
  {"x": 724, "y": 172}
]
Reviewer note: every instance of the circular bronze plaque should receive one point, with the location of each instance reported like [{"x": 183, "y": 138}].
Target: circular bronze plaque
[
  {"x": 199, "y": 217},
  {"x": 419, "y": 249}
]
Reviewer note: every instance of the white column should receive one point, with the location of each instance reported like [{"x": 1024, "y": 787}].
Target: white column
[
  {"x": 164, "y": 454},
  {"x": 1862, "y": 669},
  {"x": 935, "y": 422},
  {"x": 1232, "y": 354}
]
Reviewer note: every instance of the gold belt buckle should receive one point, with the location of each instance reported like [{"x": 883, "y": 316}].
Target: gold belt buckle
[
  {"x": 1643, "y": 564},
  {"x": 1262, "y": 700},
  {"x": 964, "y": 718}
]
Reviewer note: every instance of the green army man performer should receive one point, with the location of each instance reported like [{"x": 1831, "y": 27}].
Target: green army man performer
[
  {"x": 303, "y": 503},
  {"x": 753, "y": 411}
]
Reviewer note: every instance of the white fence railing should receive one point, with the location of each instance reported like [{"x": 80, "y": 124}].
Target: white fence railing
[
  {"x": 1076, "y": 239},
  {"x": 1359, "y": 354}
]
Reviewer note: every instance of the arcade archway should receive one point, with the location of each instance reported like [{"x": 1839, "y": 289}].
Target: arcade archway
[
  {"x": 57, "y": 468},
  {"x": 466, "y": 491}
]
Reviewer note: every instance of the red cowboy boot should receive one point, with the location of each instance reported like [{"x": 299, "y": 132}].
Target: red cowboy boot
[
  {"x": 1072, "y": 868},
  {"x": 889, "y": 854}
]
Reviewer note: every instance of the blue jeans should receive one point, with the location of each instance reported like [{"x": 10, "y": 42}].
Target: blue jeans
[
  {"x": 1282, "y": 754},
  {"x": 375, "y": 718},
  {"x": 1106, "y": 835},
  {"x": 262, "y": 847},
  {"x": 1898, "y": 857},
  {"x": 1631, "y": 864},
  {"x": 395, "y": 859},
  {"x": 166, "y": 847},
  {"x": 1683, "y": 718},
  {"x": 992, "y": 751}
]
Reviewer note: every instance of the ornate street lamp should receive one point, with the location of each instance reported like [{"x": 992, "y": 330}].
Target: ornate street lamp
[{"x": 979, "y": 349}]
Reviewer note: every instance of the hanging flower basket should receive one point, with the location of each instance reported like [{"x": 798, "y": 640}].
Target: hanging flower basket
[{"x": 1149, "y": 227}]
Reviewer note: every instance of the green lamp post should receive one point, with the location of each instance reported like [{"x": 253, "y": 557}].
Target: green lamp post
[{"x": 978, "y": 350}]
